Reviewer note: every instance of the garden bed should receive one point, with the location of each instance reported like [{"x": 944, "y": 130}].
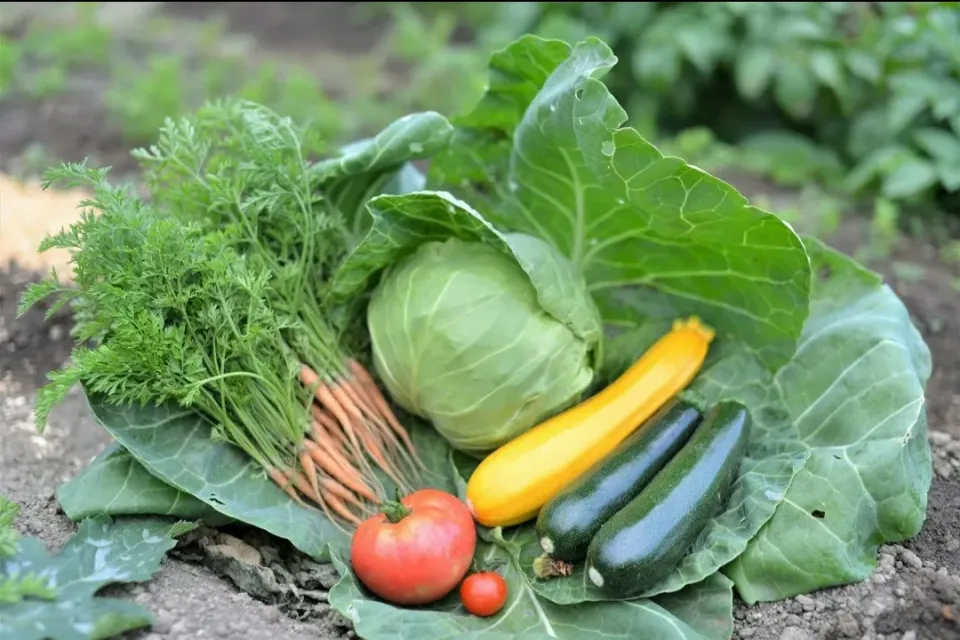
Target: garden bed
[{"x": 915, "y": 592}]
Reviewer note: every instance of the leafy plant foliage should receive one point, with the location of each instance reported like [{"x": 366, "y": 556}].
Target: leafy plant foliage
[
  {"x": 54, "y": 596},
  {"x": 876, "y": 86}
]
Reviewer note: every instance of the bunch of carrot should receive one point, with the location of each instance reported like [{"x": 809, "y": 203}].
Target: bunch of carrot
[
  {"x": 351, "y": 422},
  {"x": 239, "y": 166}
]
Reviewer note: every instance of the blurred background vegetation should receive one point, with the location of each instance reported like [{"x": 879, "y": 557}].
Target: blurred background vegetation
[{"x": 856, "y": 105}]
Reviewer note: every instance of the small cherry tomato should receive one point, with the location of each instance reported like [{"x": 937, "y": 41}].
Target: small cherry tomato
[
  {"x": 484, "y": 594},
  {"x": 417, "y": 550}
]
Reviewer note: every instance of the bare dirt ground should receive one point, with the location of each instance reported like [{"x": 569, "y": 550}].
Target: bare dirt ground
[{"x": 915, "y": 593}]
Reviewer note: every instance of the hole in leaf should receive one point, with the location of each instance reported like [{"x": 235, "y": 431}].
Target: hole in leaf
[
  {"x": 816, "y": 513},
  {"x": 836, "y": 457},
  {"x": 217, "y": 500},
  {"x": 579, "y": 94},
  {"x": 825, "y": 272}
]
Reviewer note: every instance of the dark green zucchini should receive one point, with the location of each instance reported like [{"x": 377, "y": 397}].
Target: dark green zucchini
[
  {"x": 647, "y": 538},
  {"x": 569, "y": 521}
]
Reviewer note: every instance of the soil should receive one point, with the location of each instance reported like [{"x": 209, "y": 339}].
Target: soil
[{"x": 204, "y": 587}]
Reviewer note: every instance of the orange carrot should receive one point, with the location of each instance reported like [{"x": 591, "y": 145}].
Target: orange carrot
[
  {"x": 359, "y": 397},
  {"x": 328, "y": 400},
  {"x": 324, "y": 419},
  {"x": 330, "y": 461},
  {"x": 306, "y": 489},
  {"x": 327, "y": 432},
  {"x": 342, "y": 510},
  {"x": 373, "y": 448},
  {"x": 344, "y": 401},
  {"x": 284, "y": 483},
  {"x": 306, "y": 461},
  {"x": 373, "y": 392},
  {"x": 301, "y": 483},
  {"x": 334, "y": 487},
  {"x": 358, "y": 421}
]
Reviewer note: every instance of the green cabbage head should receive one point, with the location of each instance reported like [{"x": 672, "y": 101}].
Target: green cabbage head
[{"x": 484, "y": 341}]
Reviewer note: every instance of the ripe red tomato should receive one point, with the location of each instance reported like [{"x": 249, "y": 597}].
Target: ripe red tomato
[
  {"x": 484, "y": 594},
  {"x": 417, "y": 550}
]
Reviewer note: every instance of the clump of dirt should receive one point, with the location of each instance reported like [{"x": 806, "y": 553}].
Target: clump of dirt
[
  {"x": 914, "y": 594},
  {"x": 267, "y": 568}
]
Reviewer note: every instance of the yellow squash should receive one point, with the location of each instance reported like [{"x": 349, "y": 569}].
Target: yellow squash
[{"x": 515, "y": 481}]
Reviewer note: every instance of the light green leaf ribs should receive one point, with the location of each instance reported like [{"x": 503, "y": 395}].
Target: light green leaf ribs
[
  {"x": 855, "y": 393},
  {"x": 652, "y": 235}
]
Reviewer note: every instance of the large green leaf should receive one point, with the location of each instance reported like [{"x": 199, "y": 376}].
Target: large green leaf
[
  {"x": 115, "y": 484},
  {"x": 855, "y": 393},
  {"x": 380, "y": 164},
  {"x": 101, "y": 553},
  {"x": 413, "y": 137},
  {"x": 175, "y": 445},
  {"x": 545, "y": 152},
  {"x": 699, "y": 612}
]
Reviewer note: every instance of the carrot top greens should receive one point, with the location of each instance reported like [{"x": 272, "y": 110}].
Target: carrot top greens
[
  {"x": 177, "y": 315},
  {"x": 212, "y": 296},
  {"x": 238, "y": 166}
]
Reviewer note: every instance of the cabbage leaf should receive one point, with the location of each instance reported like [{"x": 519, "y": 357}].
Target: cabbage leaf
[{"x": 545, "y": 152}]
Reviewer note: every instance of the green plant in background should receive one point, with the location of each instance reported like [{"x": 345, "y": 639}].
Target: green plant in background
[
  {"x": 40, "y": 63},
  {"x": 418, "y": 64},
  {"x": 172, "y": 84},
  {"x": 142, "y": 98},
  {"x": 869, "y": 92},
  {"x": 10, "y": 52}
]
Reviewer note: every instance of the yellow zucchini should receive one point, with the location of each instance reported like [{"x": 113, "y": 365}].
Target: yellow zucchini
[{"x": 515, "y": 481}]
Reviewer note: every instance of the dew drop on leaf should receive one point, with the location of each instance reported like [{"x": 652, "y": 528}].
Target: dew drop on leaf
[{"x": 607, "y": 148}]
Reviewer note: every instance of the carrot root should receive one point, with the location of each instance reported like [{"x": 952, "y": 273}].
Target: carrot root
[
  {"x": 342, "y": 510},
  {"x": 306, "y": 461},
  {"x": 339, "y": 469},
  {"x": 283, "y": 482},
  {"x": 373, "y": 392}
]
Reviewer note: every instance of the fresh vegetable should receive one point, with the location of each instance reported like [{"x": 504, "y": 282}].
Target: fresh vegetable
[
  {"x": 417, "y": 550},
  {"x": 235, "y": 181},
  {"x": 460, "y": 336},
  {"x": 567, "y": 524},
  {"x": 177, "y": 316},
  {"x": 483, "y": 594},
  {"x": 514, "y": 482},
  {"x": 645, "y": 539},
  {"x": 237, "y": 165}
]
